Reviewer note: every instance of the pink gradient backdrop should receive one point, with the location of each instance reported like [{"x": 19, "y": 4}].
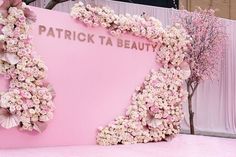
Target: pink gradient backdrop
[{"x": 94, "y": 84}]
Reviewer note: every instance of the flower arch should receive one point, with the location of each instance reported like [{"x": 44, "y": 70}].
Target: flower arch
[
  {"x": 155, "y": 111},
  {"x": 28, "y": 102}
]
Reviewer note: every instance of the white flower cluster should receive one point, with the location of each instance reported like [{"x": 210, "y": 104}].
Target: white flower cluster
[
  {"x": 148, "y": 27},
  {"x": 29, "y": 98},
  {"x": 155, "y": 112}
]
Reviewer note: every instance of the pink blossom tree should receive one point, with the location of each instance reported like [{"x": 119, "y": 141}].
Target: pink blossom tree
[{"x": 208, "y": 46}]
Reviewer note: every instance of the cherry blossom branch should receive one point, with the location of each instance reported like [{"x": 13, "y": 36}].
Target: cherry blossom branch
[
  {"x": 208, "y": 41},
  {"x": 194, "y": 88}
]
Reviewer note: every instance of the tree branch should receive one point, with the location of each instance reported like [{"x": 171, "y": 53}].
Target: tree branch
[
  {"x": 191, "y": 87},
  {"x": 194, "y": 89}
]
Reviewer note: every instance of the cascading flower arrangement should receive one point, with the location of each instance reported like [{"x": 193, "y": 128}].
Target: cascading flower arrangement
[
  {"x": 155, "y": 111},
  {"x": 28, "y": 103}
]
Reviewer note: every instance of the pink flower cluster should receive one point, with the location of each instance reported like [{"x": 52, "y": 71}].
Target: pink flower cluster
[
  {"x": 28, "y": 103},
  {"x": 148, "y": 27},
  {"x": 208, "y": 42},
  {"x": 155, "y": 111}
]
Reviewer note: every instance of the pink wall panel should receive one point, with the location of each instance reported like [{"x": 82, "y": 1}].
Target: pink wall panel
[{"x": 93, "y": 81}]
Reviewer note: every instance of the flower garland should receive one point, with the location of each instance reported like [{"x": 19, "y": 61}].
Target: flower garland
[
  {"x": 28, "y": 103},
  {"x": 155, "y": 111}
]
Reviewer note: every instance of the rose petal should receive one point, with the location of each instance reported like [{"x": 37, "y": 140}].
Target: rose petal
[
  {"x": 30, "y": 15},
  {"x": 10, "y": 58},
  {"x": 8, "y": 120},
  {"x": 40, "y": 127},
  {"x": 3, "y": 12},
  {"x": 184, "y": 66},
  {"x": 5, "y": 5},
  {"x": 16, "y": 3}
]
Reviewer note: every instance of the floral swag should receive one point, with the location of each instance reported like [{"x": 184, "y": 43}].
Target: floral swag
[
  {"x": 155, "y": 111},
  {"x": 28, "y": 103}
]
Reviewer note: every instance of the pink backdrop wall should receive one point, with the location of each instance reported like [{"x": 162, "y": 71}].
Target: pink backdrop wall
[{"x": 93, "y": 82}]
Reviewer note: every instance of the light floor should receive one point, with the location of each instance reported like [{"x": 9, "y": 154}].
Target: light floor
[{"x": 181, "y": 146}]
